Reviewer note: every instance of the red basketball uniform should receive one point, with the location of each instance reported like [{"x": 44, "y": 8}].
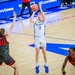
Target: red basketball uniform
[
  {"x": 25, "y": 1},
  {"x": 4, "y": 52},
  {"x": 72, "y": 60}
]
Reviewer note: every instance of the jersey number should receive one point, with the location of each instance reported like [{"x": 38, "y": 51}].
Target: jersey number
[
  {"x": 39, "y": 27},
  {"x": 2, "y": 42}
]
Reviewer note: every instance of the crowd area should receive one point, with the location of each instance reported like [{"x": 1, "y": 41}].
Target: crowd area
[{"x": 67, "y": 2}]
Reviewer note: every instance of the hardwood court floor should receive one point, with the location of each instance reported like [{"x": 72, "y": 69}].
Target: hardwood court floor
[{"x": 62, "y": 32}]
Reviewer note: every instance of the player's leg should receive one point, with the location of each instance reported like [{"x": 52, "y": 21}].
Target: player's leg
[
  {"x": 37, "y": 45},
  {"x": 7, "y": 59},
  {"x": 16, "y": 69},
  {"x": 37, "y": 59},
  {"x": 37, "y": 55},
  {"x": 45, "y": 59},
  {"x": 43, "y": 44},
  {"x": 23, "y": 8},
  {"x": 44, "y": 54},
  {"x": 29, "y": 8}
]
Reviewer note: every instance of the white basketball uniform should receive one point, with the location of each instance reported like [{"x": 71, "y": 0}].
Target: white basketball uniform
[{"x": 39, "y": 34}]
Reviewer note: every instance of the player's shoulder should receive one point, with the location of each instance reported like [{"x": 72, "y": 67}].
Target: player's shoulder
[
  {"x": 74, "y": 55},
  {"x": 6, "y": 34}
]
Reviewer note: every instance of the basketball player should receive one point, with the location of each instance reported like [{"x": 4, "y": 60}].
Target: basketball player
[
  {"x": 24, "y": 4},
  {"x": 70, "y": 58},
  {"x": 39, "y": 38},
  {"x": 4, "y": 48}
]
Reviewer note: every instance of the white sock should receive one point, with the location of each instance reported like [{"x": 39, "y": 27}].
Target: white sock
[
  {"x": 46, "y": 64},
  {"x": 37, "y": 64}
]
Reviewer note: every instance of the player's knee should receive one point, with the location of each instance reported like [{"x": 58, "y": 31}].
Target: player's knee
[
  {"x": 37, "y": 52},
  {"x": 43, "y": 51},
  {"x": 14, "y": 66}
]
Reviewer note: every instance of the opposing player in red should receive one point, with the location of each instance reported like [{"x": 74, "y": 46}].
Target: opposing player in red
[
  {"x": 4, "y": 48},
  {"x": 70, "y": 58},
  {"x": 26, "y": 3}
]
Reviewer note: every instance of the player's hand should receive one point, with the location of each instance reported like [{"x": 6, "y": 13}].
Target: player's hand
[
  {"x": 40, "y": 3},
  {"x": 63, "y": 72},
  {"x": 14, "y": 14}
]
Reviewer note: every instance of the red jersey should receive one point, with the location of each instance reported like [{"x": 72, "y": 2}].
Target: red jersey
[
  {"x": 72, "y": 60},
  {"x": 4, "y": 45},
  {"x": 25, "y": 1}
]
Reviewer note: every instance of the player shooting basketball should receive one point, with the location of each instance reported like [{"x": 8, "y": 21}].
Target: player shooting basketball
[
  {"x": 4, "y": 48},
  {"x": 39, "y": 38},
  {"x": 70, "y": 58}
]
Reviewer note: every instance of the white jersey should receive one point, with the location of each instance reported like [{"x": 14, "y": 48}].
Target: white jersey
[{"x": 39, "y": 28}]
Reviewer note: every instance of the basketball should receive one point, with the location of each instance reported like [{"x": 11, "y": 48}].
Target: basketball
[{"x": 35, "y": 7}]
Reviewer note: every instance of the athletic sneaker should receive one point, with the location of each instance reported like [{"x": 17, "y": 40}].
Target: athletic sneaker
[
  {"x": 46, "y": 69},
  {"x": 37, "y": 69}
]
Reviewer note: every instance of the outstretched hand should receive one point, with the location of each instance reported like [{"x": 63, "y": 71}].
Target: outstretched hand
[
  {"x": 14, "y": 14},
  {"x": 64, "y": 72}
]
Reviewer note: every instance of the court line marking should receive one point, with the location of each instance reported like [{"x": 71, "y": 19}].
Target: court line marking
[
  {"x": 50, "y": 36},
  {"x": 46, "y": 37},
  {"x": 67, "y": 17}
]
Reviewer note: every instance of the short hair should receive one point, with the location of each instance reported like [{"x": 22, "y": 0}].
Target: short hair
[
  {"x": 2, "y": 31},
  {"x": 72, "y": 48}
]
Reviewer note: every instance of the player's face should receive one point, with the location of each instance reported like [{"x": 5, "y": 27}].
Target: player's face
[
  {"x": 70, "y": 52},
  {"x": 40, "y": 16}
]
